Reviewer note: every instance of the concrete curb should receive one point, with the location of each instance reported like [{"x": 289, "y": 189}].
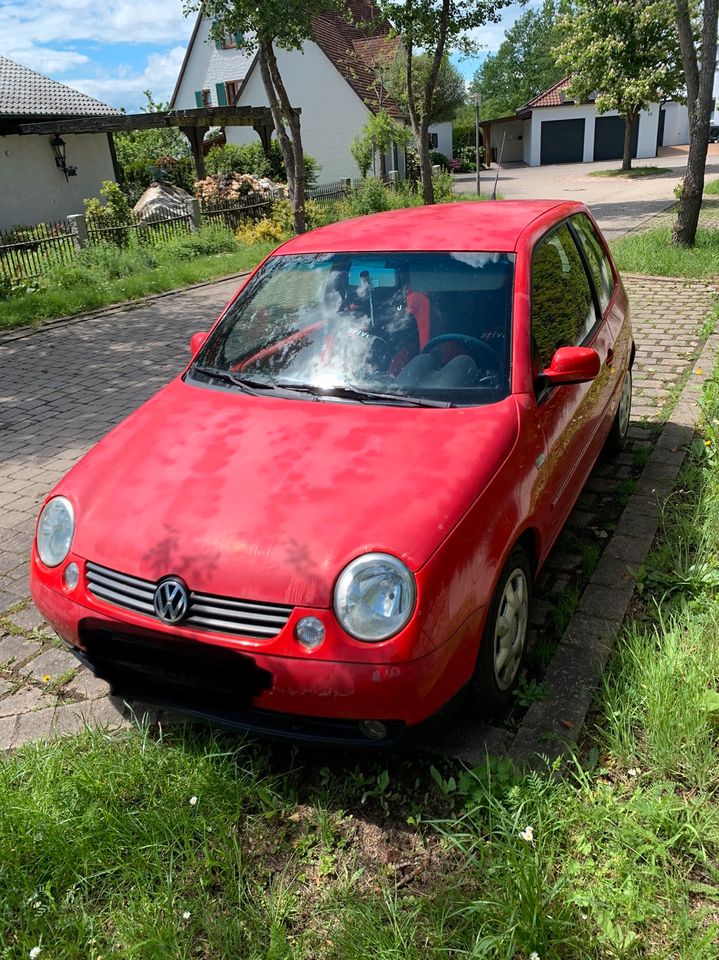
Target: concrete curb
[
  {"x": 22, "y": 333},
  {"x": 551, "y": 726}
]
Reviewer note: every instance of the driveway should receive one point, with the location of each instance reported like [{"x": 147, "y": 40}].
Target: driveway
[{"x": 618, "y": 204}]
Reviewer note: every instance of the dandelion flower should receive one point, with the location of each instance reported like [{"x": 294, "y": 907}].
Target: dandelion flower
[
  {"x": 186, "y": 914},
  {"x": 193, "y": 801},
  {"x": 35, "y": 953},
  {"x": 527, "y": 834},
  {"x": 46, "y": 678},
  {"x": 699, "y": 371},
  {"x": 707, "y": 443}
]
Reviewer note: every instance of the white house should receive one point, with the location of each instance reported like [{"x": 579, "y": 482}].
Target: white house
[
  {"x": 335, "y": 80},
  {"x": 554, "y": 128},
  {"x": 42, "y": 179}
]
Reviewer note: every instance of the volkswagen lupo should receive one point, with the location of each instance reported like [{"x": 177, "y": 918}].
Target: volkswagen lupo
[{"x": 327, "y": 526}]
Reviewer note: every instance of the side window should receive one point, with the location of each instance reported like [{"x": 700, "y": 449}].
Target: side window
[
  {"x": 599, "y": 265},
  {"x": 562, "y": 303}
]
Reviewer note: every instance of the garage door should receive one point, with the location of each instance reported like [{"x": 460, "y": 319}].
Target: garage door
[
  {"x": 609, "y": 138},
  {"x": 562, "y": 141}
]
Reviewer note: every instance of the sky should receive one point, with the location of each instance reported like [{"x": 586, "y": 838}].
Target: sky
[{"x": 116, "y": 49}]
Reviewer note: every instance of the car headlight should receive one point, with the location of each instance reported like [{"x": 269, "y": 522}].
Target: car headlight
[
  {"x": 375, "y": 597},
  {"x": 55, "y": 529}
]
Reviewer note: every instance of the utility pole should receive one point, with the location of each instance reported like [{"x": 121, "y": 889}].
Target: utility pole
[{"x": 477, "y": 104}]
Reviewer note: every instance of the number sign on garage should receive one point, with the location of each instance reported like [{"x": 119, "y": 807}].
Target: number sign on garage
[
  {"x": 609, "y": 138},
  {"x": 562, "y": 141}
]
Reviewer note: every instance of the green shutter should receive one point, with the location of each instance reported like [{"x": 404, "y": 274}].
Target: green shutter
[
  {"x": 221, "y": 96},
  {"x": 198, "y": 99},
  {"x": 218, "y": 43},
  {"x": 239, "y": 39}
]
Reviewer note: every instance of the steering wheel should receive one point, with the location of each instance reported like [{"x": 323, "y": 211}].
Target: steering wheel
[{"x": 463, "y": 338}]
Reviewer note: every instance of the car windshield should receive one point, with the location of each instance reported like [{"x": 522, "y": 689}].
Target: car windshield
[{"x": 423, "y": 328}]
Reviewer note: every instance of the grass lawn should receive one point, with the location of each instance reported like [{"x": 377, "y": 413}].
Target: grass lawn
[
  {"x": 103, "y": 276},
  {"x": 633, "y": 173},
  {"x": 652, "y": 252}
]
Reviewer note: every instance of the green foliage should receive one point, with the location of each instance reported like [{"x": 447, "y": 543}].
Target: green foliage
[
  {"x": 627, "y": 50},
  {"x": 443, "y": 185},
  {"x": 525, "y": 63},
  {"x": 115, "y": 209},
  {"x": 370, "y": 197},
  {"x": 439, "y": 159},
  {"x": 250, "y": 158},
  {"x": 652, "y": 252},
  {"x": 138, "y": 151},
  {"x": 378, "y": 134},
  {"x": 449, "y": 92}
]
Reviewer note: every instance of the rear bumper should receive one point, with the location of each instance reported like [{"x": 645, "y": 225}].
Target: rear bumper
[{"x": 295, "y": 698}]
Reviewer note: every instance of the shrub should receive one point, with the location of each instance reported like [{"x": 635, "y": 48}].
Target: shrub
[
  {"x": 370, "y": 197},
  {"x": 437, "y": 158},
  {"x": 264, "y": 231},
  {"x": 443, "y": 187},
  {"x": 250, "y": 158}
]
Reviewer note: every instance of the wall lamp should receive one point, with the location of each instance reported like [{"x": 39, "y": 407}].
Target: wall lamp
[{"x": 58, "y": 146}]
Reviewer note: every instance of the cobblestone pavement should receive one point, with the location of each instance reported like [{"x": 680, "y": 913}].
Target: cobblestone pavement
[{"x": 65, "y": 386}]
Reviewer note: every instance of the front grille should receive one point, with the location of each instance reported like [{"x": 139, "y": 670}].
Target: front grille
[{"x": 244, "y": 618}]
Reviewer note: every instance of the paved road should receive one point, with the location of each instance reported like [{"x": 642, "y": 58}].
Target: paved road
[
  {"x": 63, "y": 387},
  {"x": 618, "y": 204}
]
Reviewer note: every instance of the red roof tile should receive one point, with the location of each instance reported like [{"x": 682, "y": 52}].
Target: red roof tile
[
  {"x": 355, "y": 46},
  {"x": 555, "y": 96}
]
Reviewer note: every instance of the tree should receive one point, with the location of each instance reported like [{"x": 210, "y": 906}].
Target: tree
[
  {"x": 628, "y": 51},
  {"x": 377, "y": 136},
  {"x": 139, "y": 150},
  {"x": 434, "y": 28},
  {"x": 699, "y": 66},
  {"x": 525, "y": 63},
  {"x": 260, "y": 28},
  {"x": 449, "y": 92}
]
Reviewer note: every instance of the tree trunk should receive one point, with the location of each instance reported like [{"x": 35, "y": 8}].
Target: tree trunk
[
  {"x": 700, "y": 99},
  {"x": 293, "y": 120},
  {"x": 291, "y": 145},
  {"x": 382, "y": 165},
  {"x": 630, "y": 122},
  {"x": 425, "y": 163}
]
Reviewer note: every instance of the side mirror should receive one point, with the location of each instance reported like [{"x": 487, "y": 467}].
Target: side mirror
[
  {"x": 572, "y": 365},
  {"x": 197, "y": 341}
]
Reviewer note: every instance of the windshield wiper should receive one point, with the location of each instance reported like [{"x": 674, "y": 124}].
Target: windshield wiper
[
  {"x": 361, "y": 396},
  {"x": 245, "y": 383}
]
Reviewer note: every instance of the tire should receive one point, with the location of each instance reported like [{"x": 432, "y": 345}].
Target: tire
[
  {"x": 617, "y": 439},
  {"x": 495, "y": 676}
]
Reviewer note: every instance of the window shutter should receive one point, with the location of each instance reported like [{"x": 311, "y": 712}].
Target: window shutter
[
  {"x": 198, "y": 99},
  {"x": 221, "y": 96},
  {"x": 239, "y": 39},
  {"x": 218, "y": 43}
]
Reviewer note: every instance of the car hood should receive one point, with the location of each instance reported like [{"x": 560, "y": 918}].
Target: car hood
[{"x": 268, "y": 498}]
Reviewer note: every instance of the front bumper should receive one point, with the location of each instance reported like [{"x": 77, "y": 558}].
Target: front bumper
[{"x": 300, "y": 697}]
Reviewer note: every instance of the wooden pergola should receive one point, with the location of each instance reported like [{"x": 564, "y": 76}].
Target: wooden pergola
[{"x": 193, "y": 123}]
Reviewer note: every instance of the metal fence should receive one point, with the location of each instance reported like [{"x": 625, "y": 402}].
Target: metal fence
[
  {"x": 232, "y": 213},
  {"x": 27, "y": 252},
  {"x": 157, "y": 228}
]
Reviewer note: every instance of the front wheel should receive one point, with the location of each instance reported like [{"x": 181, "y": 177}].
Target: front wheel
[
  {"x": 617, "y": 439},
  {"x": 504, "y": 641}
]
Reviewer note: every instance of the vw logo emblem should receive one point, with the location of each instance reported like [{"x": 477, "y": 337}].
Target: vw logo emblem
[{"x": 171, "y": 600}]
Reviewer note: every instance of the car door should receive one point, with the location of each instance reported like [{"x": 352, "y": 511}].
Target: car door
[{"x": 565, "y": 311}]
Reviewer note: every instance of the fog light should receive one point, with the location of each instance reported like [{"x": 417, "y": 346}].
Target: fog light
[
  {"x": 310, "y": 632},
  {"x": 373, "y": 729},
  {"x": 71, "y": 576}
]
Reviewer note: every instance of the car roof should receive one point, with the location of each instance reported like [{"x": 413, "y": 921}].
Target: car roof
[{"x": 487, "y": 226}]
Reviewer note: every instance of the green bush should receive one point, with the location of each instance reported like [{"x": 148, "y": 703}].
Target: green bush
[
  {"x": 437, "y": 158},
  {"x": 250, "y": 158},
  {"x": 370, "y": 197},
  {"x": 443, "y": 187}
]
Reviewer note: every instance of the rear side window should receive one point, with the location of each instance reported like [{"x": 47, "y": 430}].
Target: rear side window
[
  {"x": 563, "y": 310},
  {"x": 597, "y": 259}
]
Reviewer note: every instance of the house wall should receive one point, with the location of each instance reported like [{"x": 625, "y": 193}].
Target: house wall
[
  {"x": 332, "y": 113},
  {"x": 676, "y": 124},
  {"x": 33, "y": 190},
  {"x": 513, "y": 141},
  {"x": 444, "y": 137},
  {"x": 207, "y": 66},
  {"x": 648, "y": 121}
]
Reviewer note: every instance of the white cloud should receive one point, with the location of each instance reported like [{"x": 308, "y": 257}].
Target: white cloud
[
  {"x": 25, "y": 24},
  {"x": 124, "y": 87}
]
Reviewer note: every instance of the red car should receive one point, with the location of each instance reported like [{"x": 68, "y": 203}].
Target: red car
[{"x": 328, "y": 525}]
